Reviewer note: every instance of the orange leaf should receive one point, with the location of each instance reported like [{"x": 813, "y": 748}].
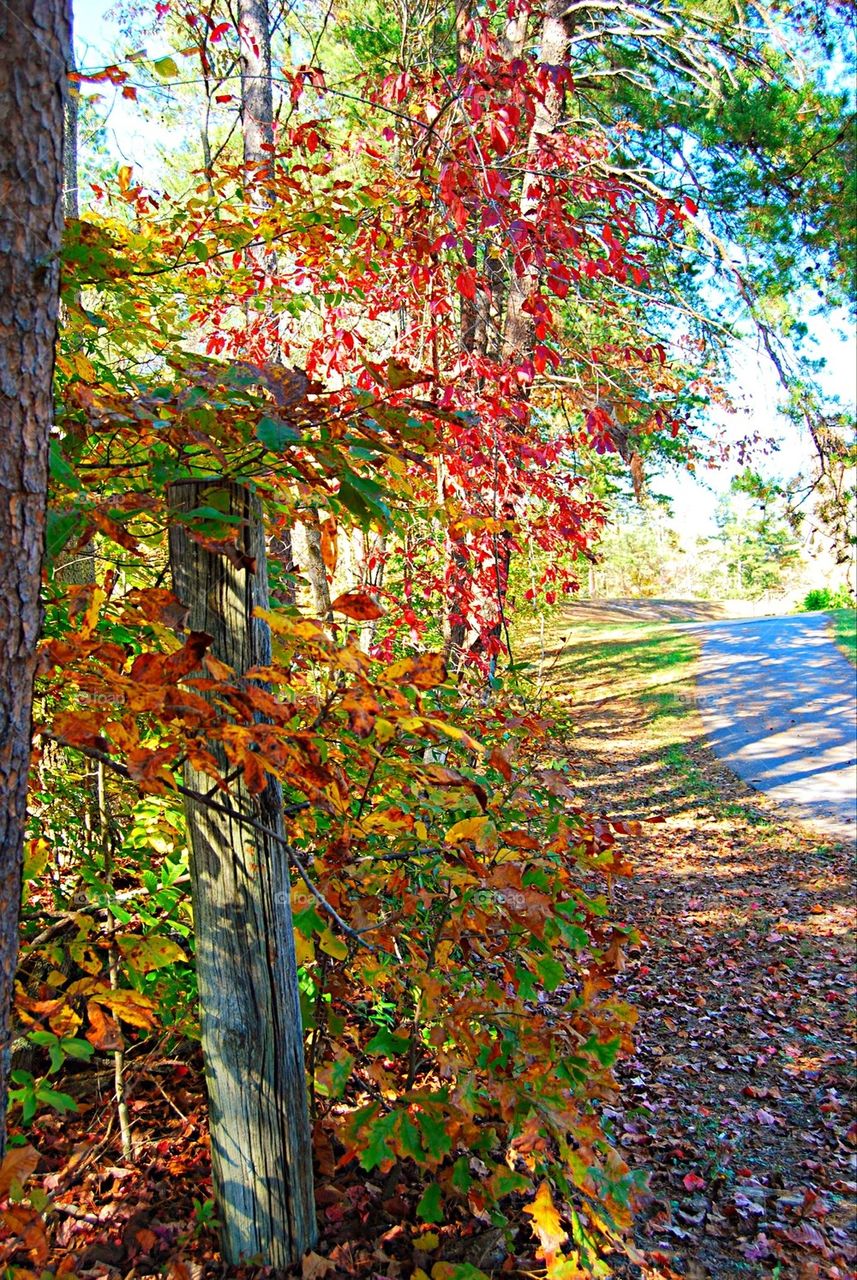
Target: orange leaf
[
  {"x": 358, "y": 605},
  {"x": 75, "y": 731},
  {"x": 329, "y": 547},
  {"x": 18, "y": 1164},
  {"x": 546, "y": 1223},
  {"x": 25, "y": 1223},
  {"x": 103, "y": 1033},
  {"x": 498, "y": 761},
  {"x": 424, "y": 671}
]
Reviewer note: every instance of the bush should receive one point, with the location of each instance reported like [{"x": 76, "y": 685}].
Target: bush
[{"x": 825, "y": 598}]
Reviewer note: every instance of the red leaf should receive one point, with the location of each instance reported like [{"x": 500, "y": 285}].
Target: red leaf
[
  {"x": 466, "y": 284},
  {"x": 693, "y": 1182}
]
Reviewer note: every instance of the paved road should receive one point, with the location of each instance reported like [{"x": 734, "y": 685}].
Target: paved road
[{"x": 779, "y": 705}]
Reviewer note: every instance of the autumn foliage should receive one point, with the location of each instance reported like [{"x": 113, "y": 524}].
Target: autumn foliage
[{"x": 332, "y": 330}]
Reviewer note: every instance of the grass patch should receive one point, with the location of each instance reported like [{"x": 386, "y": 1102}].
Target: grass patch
[
  {"x": 845, "y": 631},
  {"x": 589, "y": 662},
  {"x": 632, "y": 687}
]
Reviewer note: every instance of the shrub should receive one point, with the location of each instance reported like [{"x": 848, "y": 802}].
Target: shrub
[{"x": 827, "y": 598}]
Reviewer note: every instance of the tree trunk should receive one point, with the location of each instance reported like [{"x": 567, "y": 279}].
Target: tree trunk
[
  {"x": 316, "y": 568},
  {"x": 249, "y": 1008},
  {"x": 553, "y": 52},
  {"x": 34, "y": 51}
]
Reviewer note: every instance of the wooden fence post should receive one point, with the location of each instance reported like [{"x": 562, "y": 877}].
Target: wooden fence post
[{"x": 252, "y": 1038}]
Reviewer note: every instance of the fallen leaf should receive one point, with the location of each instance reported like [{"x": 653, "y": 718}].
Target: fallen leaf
[
  {"x": 313, "y": 1266},
  {"x": 18, "y": 1164}
]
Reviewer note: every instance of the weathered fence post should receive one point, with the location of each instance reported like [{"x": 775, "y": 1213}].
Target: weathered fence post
[{"x": 249, "y": 1010}]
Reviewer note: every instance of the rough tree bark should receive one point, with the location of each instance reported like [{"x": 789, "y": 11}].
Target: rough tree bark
[
  {"x": 249, "y": 1008},
  {"x": 553, "y": 53},
  {"x": 34, "y": 52}
]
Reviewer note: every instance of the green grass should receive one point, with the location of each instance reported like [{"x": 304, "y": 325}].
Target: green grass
[
  {"x": 651, "y": 662},
  {"x": 638, "y": 680},
  {"x": 845, "y": 631}
]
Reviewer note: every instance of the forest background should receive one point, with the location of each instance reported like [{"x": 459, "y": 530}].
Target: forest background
[{"x": 422, "y": 298}]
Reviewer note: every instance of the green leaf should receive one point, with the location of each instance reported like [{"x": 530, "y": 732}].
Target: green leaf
[
  {"x": 308, "y": 922},
  {"x": 61, "y": 472},
  {"x": 462, "y": 1179},
  {"x": 199, "y": 250},
  {"x": 526, "y": 983},
  {"x": 75, "y": 1047},
  {"x": 166, "y": 68},
  {"x": 573, "y": 934},
  {"x": 606, "y": 1051},
  {"x": 377, "y": 1148},
  {"x": 429, "y": 1208},
  {"x": 457, "y": 1271},
  {"x": 409, "y": 1138},
  {"x": 551, "y": 972},
  {"x": 274, "y": 435},
  {"x": 436, "y": 1140},
  {"x": 63, "y": 524},
  {"x": 387, "y": 1045},
  {"x": 363, "y": 498},
  {"x": 53, "y": 1098},
  {"x": 340, "y": 1071}
]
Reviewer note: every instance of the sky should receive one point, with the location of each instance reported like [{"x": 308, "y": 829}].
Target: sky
[{"x": 754, "y": 387}]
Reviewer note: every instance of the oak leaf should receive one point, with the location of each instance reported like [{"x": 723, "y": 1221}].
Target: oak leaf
[
  {"x": 314, "y": 1266},
  {"x": 546, "y": 1223}
]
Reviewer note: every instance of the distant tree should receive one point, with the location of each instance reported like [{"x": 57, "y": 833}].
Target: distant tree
[{"x": 760, "y": 548}]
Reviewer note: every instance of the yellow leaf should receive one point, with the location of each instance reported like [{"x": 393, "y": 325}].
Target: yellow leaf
[
  {"x": 35, "y": 859},
  {"x": 84, "y": 367},
  {"x": 166, "y": 68},
  {"x": 453, "y": 731},
  {"x": 300, "y": 628},
  {"x": 480, "y": 830},
  {"x": 332, "y": 945},
  {"x": 546, "y": 1223},
  {"x": 384, "y": 731},
  {"x": 146, "y": 954},
  {"x": 427, "y": 1242},
  {"x": 129, "y": 1006},
  {"x": 304, "y": 948}
]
